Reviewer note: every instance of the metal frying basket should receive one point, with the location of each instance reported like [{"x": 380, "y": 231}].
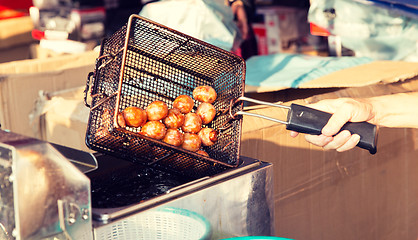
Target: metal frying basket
[{"x": 145, "y": 61}]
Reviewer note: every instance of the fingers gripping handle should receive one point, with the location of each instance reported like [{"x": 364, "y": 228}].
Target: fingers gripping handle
[{"x": 311, "y": 121}]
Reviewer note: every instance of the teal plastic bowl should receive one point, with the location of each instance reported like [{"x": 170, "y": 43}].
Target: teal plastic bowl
[{"x": 257, "y": 238}]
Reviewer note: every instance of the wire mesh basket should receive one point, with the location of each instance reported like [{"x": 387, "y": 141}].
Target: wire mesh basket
[
  {"x": 145, "y": 61},
  {"x": 163, "y": 224}
]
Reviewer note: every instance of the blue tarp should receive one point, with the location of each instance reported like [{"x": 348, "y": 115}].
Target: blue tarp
[
  {"x": 291, "y": 70},
  {"x": 405, "y": 7}
]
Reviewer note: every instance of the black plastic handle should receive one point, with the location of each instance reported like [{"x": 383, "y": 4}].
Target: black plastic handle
[{"x": 311, "y": 121}]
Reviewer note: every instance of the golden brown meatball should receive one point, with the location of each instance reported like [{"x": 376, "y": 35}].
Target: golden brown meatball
[
  {"x": 134, "y": 116},
  {"x": 191, "y": 142},
  {"x": 157, "y": 110},
  {"x": 208, "y": 136},
  {"x": 206, "y": 112},
  {"x": 192, "y": 123},
  {"x": 205, "y": 94},
  {"x": 121, "y": 120},
  {"x": 183, "y": 103},
  {"x": 174, "y": 119},
  {"x": 173, "y": 137},
  {"x": 154, "y": 129},
  {"x": 203, "y": 152}
]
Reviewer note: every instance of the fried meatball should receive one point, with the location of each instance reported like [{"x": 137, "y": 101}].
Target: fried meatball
[
  {"x": 184, "y": 103},
  {"x": 202, "y": 152},
  {"x": 173, "y": 137},
  {"x": 208, "y": 136},
  {"x": 192, "y": 123},
  {"x": 121, "y": 120},
  {"x": 157, "y": 110},
  {"x": 206, "y": 112},
  {"x": 205, "y": 94},
  {"x": 154, "y": 129},
  {"x": 174, "y": 119},
  {"x": 134, "y": 116},
  {"x": 191, "y": 142}
]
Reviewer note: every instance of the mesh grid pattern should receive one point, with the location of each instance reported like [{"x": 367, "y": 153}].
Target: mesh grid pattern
[{"x": 159, "y": 63}]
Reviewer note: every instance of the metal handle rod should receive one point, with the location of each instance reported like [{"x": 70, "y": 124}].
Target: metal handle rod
[
  {"x": 261, "y": 102},
  {"x": 242, "y": 98},
  {"x": 261, "y": 116}
]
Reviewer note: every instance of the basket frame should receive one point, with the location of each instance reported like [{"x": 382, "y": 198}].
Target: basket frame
[{"x": 201, "y": 165}]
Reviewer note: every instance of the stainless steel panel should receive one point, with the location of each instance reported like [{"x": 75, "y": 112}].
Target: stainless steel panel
[{"x": 236, "y": 203}]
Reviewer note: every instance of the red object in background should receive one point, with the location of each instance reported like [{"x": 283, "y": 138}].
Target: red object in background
[
  {"x": 21, "y": 5},
  {"x": 6, "y": 13},
  {"x": 37, "y": 34},
  {"x": 12, "y": 9},
  {"x": 318, "y": 31},
  {"x": 261, "y": 36}
]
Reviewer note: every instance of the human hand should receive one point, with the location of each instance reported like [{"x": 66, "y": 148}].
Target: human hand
[
  {"x": 238, "y": 10},
  {"x": 343, "y": 110}
]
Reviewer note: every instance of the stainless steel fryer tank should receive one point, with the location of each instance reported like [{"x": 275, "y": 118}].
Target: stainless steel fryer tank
[{"x": 238, "y": 202}]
